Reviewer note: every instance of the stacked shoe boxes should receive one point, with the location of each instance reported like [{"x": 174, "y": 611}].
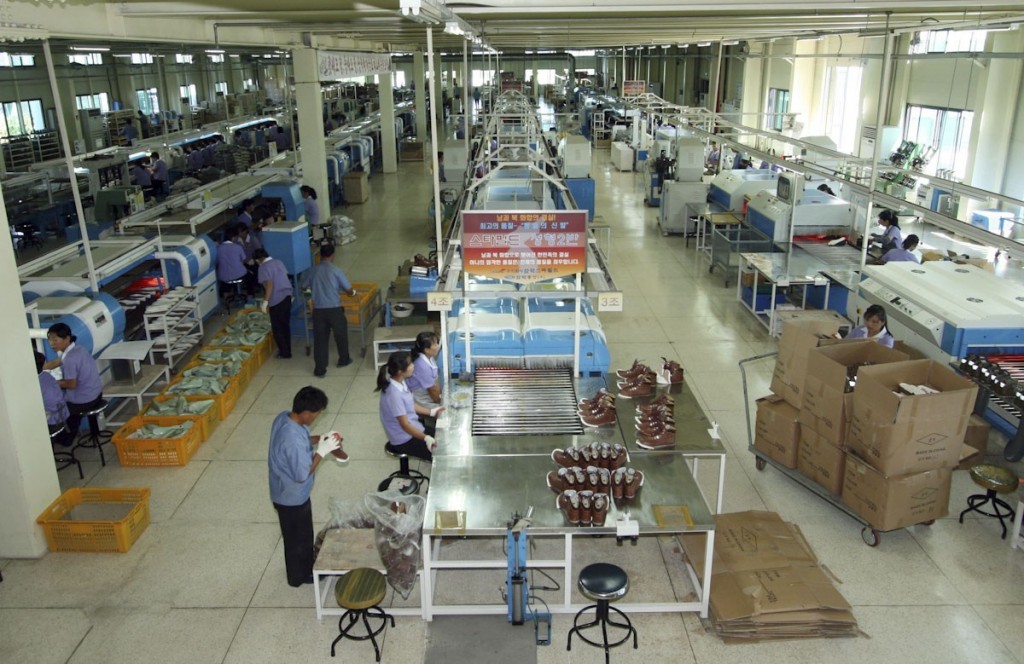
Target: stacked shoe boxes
[
  {"x": 827, "y": 406},
  {"x": 901, "y": 448}
]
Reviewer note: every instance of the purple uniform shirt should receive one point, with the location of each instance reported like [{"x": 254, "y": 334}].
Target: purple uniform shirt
[
  {"x": 273, "y": 270},
  {"x": 160, "y": 170},
  {"x": 423, "y": 378},
  {"x": 230, "y": 261},
  {"x": 77, "y": 364},
  {"x": 53, "y": 399},
  {"x": 395, "y": 402},
  {"x": 900, "y": 256}
]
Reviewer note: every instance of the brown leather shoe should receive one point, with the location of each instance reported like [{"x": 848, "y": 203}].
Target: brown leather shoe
[
  {"x": 586, "y": 507},
  {"x": 601, "y": 395},
  {"x": 600, "y": 510},
  {"x": 636, "y": 390},
  {"x": 568, "y": 457},
  {"x": 569, "y": 503},
  {"x": 557, "y": 480},
  {"x": 654, "y": 429},
  {"x": 665, "y": 440},
  {"x": 604, "y": 418},
  {"x": 631, "y": 483},
  {"x": 599, "y": 406},
  {"x": 635, "y": 370},
  {"x": 618, "y": 457},
  {"x": 618, "y": 486}
]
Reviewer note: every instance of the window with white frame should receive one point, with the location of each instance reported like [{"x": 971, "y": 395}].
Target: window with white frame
[
  {"x": 17, "y": 60},
  {"x": 248, "y": 85},
  {"x": 546, "y": 77},
  {"x": 482, "y": 77},
  {"x": 221, "y": 87},
  {"x": 183, "y": 58},
  {"x": 148, "y": 100},
  {"x": 840, "y": 101},
  {"x": 142, "y": 58},
  {"x": 188, "y": 92},
  {"x": 86, "y": 58},
  {"x": 777, "y": 107},
  {"x": 399, "y": 78},
  {"x": 99, "y": 100},
  {"x": 943, "y": 132},
  {"x": 948, "y": 41},
  {"x": 18, "y": 118}
]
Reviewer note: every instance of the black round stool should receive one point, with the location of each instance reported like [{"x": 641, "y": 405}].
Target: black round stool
[
  {"x": 603, "y": 583},
  {"x": 234, "y": 294},
  {"x": 96, "y": 438},
  {"x": 412, "y": 478},
  {"x": 64, "y": 457},
  {"x": 995, "y": 480},
  {"x": 359, "y": 592}
]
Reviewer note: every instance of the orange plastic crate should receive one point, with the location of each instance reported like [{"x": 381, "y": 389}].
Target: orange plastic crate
[
  {"x": 154, "y": 451},
  {"x": 225, "y": 401},
  {"x": 249, "y": 368},
  {"x": 260, "y": 351},
  {"x": 108, "y": 536},
  {"x": 360, "y": 308},
  {"x": 206, "y": 422}
]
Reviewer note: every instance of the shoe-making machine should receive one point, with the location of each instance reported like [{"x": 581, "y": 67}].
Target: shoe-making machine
[
  {"x": 790, "y": 211},
  {"x": 954, "y": 311}
]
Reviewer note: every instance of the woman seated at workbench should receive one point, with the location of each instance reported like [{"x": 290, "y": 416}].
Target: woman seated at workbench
[
  {"x": 904, "y": 255},
  {"x": 892, "y": 238},
  {"x": 399, "y": 413},
  {"x": 874, "y": 327},
  {"x": 425, "y": 388}
]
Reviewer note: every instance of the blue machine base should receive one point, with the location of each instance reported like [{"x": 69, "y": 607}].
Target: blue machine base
[{"x": 583, "y": 191}]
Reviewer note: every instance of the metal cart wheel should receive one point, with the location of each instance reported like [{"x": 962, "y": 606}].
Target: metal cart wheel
[
  {"x": 760, "y": 463},
  {"x": 870, "y": 536}
]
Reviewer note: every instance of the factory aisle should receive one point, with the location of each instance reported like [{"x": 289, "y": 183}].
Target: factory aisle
[{"x": 206, "y": 582}]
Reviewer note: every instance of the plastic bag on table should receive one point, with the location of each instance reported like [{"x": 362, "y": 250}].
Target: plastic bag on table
[
  {"x": 398, "y": 529},
  {"x": 348, "y": 514}
]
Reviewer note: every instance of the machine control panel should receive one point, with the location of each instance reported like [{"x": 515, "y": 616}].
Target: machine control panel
[{"x": 898, "y": 304}]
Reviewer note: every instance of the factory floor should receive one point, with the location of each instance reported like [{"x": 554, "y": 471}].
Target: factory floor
[{"x": 206, "y": 582}]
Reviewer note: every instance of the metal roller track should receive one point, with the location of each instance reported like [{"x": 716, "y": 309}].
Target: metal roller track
[{"x": 524, "y": 402}]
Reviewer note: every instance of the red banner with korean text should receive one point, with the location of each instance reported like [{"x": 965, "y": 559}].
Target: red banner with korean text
[
  {"x": 633, "y": 88},
  {"x": 524, "y": 246}
]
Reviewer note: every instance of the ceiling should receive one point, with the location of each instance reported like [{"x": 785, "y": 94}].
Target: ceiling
[{"x": 511, "y": 25}]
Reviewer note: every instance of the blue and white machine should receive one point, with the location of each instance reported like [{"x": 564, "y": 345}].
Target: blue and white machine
[
  {"x": 494, "y": 329},
  {"x": 287, "y": 191},
  {"x": 792, "y": 211},
  {"x": 549, "y": 326},
  {"x": 200, "y": 256},
  {"x": 729, "y": 189},
  {"x": 97, "y": 321}
]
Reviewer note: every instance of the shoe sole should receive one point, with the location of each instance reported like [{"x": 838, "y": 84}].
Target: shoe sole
[
  {"x": 597, "y": 426},
  {"x": 633, "y": 396},
  {"x": 650, "y": 446}
]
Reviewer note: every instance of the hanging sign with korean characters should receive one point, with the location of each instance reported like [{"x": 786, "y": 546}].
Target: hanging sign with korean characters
[
  {"x": 333, "y": 65},
  {"x": 524, "y": 246}
]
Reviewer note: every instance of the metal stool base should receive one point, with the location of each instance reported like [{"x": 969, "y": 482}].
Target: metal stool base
[
  {"x": 96, "y": 438},
  {"x": 977, "y": 501},
  {"x": 414, "y": 477},
  {"x": 371, "y": 633},
  {"x": 602, "y": 610}
]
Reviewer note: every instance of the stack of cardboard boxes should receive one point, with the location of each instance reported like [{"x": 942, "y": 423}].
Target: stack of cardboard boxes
[{"x": 839, "y": 416}]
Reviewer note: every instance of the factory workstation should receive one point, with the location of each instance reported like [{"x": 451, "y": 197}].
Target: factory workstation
[{"x": 425, "y": 331}]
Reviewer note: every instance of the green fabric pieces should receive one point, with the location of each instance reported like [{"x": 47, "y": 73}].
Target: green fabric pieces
[{"x": 151, "y": 431}]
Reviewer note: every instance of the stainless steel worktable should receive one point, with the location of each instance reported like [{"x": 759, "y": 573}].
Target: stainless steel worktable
[{"x": 485, "y": 489}]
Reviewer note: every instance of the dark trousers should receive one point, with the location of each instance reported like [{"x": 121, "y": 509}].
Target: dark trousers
[
  {"x": 297, "y": 530},
  {"x": 326, "y": 321},
  {"x": 415, "y": 447},
  {"x": 77, "y": 411},
  {"x": 281, "y": 325}
]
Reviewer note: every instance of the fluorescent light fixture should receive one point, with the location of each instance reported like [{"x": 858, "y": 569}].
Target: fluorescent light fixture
[
  {"x": 731, "y": 42},
  {"x": 424, "y": 11},
  {"x": 91, "y": 49},
  {"x": 214, "y": 50},
  {"x": 684, "y": 46},
  {"x": 703, "y": 44}
]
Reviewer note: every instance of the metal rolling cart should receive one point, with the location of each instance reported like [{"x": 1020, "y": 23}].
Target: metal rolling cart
[
  {"x": 728, "y": 242},
  {"x": 361, "y": 312},
  {"x": 871, "y": 536}
]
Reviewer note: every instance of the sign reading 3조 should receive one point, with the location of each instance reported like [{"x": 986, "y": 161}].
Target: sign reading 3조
[{"x": 524, "y": 246}]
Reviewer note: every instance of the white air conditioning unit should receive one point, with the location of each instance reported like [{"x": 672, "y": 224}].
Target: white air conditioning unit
[{"x": 888, "y": 137}]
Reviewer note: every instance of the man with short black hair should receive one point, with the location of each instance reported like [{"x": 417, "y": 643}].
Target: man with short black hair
[
  {"x": 329, "y": 282},
  {"x": 292, "y": 462}
]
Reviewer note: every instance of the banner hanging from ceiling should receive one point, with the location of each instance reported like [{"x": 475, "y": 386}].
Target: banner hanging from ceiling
[
  {"x": 334, "y": 65},
  {"x": 524, "y": 247}
]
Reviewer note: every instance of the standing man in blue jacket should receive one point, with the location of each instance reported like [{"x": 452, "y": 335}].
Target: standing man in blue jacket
[{"x": 329, "y": 282}]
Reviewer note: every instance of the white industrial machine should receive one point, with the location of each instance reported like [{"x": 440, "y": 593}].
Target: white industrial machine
[
  {"x": 198, "y": 258},
  {"x": 622, "y": 156},
  {"x": 730, "y": 189},
  {"x": 792, "y": 211},
  {"x": 574, "y": 153},
  {"x": 681, "y": 203},
  {"x": 456, "y": 160},
  {"x": 956, "y": 309},
  {"x": 689, "y": 155}
]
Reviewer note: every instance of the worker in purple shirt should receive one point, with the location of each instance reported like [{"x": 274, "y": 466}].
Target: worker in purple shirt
[
  {"x": 400, "y": 414},
  {"x": 53, "y": 403},
  {"x": 158, "y": 167},
  {"x": 904, "y": 255},
  {"x": 426, "y": 391},
  {"x": 83, "y": 389},
  {"x": 245, "y": 211},
  {"x": 277, "y": 300},
  {"x": 194, "y": 161},
  {"x": 230, "y": 262},
  {"x": 142, "y": 176}
]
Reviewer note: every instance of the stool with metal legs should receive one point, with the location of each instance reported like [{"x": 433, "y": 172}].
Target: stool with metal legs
[
  {"x": 235, "y": 294},
  {"x": 603, "y": 583},
  {"x": 411, "y": 479},
  {"x": 96, "y": 438},
  {"x": 360, "y": 592},
  {"x": 64, "y": 457},
  {"x": 995, "y": 480}
]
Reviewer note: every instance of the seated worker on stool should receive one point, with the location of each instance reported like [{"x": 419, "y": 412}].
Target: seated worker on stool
[
  {"x": 904, "y": 255},
  {"x": 53, "y": 403},
  {"x": 83, "y": 388},
  {"x": 423, "y": 383},
  {"x": 293, "y": 458},
  {"x": 399, "y": 413}
]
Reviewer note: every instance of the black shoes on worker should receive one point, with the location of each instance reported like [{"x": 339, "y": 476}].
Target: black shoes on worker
[{"x": 344, "y": 363}]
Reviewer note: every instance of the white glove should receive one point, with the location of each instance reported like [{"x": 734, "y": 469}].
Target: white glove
[
  {"x": 329, "y": 442},
  {"x": 436, "y": 410},
  {"x": 431, "y": 443},
  {"x": 264, "y": 306}
]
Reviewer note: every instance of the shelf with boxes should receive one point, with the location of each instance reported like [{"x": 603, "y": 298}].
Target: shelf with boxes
[{"x": 175, "y": 323}]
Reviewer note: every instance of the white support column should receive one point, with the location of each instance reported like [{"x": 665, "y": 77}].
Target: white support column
[
  {"x": 716, "y": 75},
  {"x": 436, "y": 102},
  {"x": 434, "y": 134},
  {"x": 418, "y": 76},
  {"x": 387, "y": 124},
  {"x": 311, "y": 123},
  {"x": 467, "y": 107},
  {"x": 28, "y": 477}
]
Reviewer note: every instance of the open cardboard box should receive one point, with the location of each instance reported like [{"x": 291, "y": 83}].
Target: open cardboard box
[
  {"x": 910, "y": 434},
  {"x": 826, "y": 406},
  {"x": 800, "y": 335}
]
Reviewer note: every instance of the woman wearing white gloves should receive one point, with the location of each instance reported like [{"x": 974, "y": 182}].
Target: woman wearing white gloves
[
  {"x": 399, "y": 413},
  {"x": 293, "y": 462}
]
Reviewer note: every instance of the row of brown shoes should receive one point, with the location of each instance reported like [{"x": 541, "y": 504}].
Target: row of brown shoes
[
  {"x": 601, "y": 455},
  {"x": 584, "y": 508},
  {"x": 655, "y": 424},
  {"x": 598, "y": 411},
  {"x": 620, "y": 484}
]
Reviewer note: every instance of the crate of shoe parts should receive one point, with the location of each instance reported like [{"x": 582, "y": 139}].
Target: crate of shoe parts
[
  {"x": 361, "y": 308},
  {"x": 202, "y": 412},
  {"x": 225, "y": 399},
  {"x": 96, "y": 520},
  {"x": 153, "y": 451}
]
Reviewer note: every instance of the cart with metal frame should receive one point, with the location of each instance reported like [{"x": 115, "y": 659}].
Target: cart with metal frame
[
  {"x": 871, "y": 536},
  {"x": 728, "y": 242}
]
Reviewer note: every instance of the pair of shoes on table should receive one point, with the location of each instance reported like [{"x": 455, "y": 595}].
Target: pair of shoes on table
[{"x": 626, "y": 482}]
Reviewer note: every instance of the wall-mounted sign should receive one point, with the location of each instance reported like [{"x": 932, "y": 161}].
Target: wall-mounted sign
[
  {"x": 633, "y": 88},
  {"x": 524, "y": 247}
]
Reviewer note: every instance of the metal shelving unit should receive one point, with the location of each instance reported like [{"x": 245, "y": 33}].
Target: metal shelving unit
[{"x": 175, "y": 323}]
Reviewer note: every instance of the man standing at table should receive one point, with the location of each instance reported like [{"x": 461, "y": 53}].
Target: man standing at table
[
  {"x": 292, "y": 462},
  {"x": 329, "y": 282}
]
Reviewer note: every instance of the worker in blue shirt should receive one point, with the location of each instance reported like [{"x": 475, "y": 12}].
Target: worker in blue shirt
[
  {"x": 310, "y": 206},
  {"x": 905, "y": 254},
  {"x": 230, "y": 262},
  {"x": 142, "y": 176},
  {"x": 328, "y": 283},
  {"x": 292, "y": 461},
  {"x": 158, "y": 167},
  {"x": 54, "y": 405}
]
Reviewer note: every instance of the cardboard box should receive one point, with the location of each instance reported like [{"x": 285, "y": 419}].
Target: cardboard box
[
  {"x": 802, "y": 331},
  {"x": 910, "y": 434},
  {"x": 911, "y": 352},
  {"x": 777, "y": 430},
  {"x": 820, "y": 461},
  {"x": 356, "y": 187},
  {"x": 895, "y": 502},
  {"x": 975, "y": 442},
  {"x": 826, "y": 406}
]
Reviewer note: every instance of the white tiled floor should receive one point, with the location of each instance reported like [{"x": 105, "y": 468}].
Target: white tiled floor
[{"x": 206, "y": 582}]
